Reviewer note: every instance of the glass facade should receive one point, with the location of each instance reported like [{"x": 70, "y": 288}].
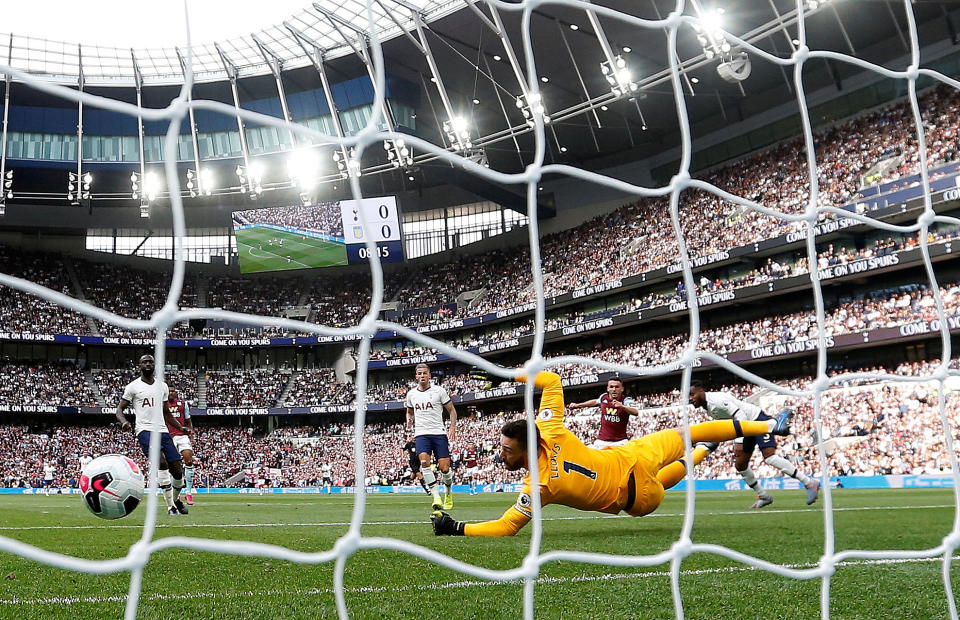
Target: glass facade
[
  {"x": 439, "y": 230},
  {"x": 200, "y": 245},
  {"x": 213, "y": 145}
]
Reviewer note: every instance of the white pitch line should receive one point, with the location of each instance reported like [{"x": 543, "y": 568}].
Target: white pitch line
[
  {"x": 95, "y": 600},
  {"x": 423, "y": 522},
  {"x": 250, "y": 252}
]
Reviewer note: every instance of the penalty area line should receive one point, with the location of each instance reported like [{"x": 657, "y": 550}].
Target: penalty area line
[
  {"x": 452, "y": 585},
  {"x": 250, "y": 252}
]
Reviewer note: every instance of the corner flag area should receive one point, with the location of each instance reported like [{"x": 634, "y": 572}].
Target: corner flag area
[{"x": 268, "y": 249}]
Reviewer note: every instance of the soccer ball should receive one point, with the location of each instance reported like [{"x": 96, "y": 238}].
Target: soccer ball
[{"x": 112, "y": 486}]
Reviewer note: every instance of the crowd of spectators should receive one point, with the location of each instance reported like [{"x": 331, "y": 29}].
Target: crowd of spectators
[
  {"x": 630, "y": 240},
  {"x": 64, "y": 384},
  {"x": 132, "y": 293},
  {"x": 883, "y": 308},
  {"x": 45, "y": 384},
  {"x": 263, "y": 387},
  {"x": 267, "y": 296},
  {"x": 111, "y": 384},
  {"x": 245, "y": 388},
  {"x": 868, "y": 427},
  {"x": 318, "y": 386},
  {"x": 22, "y": 312},
  {"x": 340, "y": 301},
  {"x": 323, "y": 218},
  {"x": 636, "y": 238}
]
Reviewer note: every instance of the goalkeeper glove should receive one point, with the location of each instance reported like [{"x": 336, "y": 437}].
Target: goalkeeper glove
[{"x": 444, "y": 525}]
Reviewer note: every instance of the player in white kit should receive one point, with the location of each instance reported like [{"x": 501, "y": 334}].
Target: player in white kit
[
  {"x": 148, "y": 398},
  {"x": 425, "y": 404},
  {"x": 723, "y": 406}
]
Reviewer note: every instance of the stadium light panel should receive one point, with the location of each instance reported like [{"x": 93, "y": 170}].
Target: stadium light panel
[
  {"x": 303, "y": 166},
  {"x": 250, "y": 179},
  {"x": 347, "y": 163},
  {"x": 398, "y": 153},
  {"x": 256, "y": 171},
  {"x": 151, "y": 186},
  {"x": 458, "y": 133},
  {"x": 618, "y": 76},
  {"x": 208, "y": 181},
  {"x": 712, "y": 22},
  {"x": 532, "y": 104}
]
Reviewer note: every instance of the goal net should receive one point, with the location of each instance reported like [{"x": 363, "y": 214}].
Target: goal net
[{"x": 815, "y": 209}]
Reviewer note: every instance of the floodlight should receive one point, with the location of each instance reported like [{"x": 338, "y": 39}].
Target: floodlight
[
  {"x": 618, "y": 76},
  {"x": 151, "y": 186},
  {"x": 208, "y": 181},
  {"x": 712, "y": 22},
  {"x": 458, "y": 133},
  {"x": 250, "y": 177},
  {"x": 398, "y": 152},
  {"x": 347, "y": 163},
  {"x": 303, "y": 166},
  {"x": 532, "y": 104}
]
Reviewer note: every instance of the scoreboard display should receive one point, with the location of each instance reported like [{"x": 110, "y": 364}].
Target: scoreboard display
[
  {"x": 325, "y": 235},
  {"x": 383, "y": 226}
]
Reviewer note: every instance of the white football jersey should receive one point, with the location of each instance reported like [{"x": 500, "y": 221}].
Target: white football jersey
[
  {"x": 723, "y": 406},
  {"x": 427, "y": 408},
  {"x": 147, "y": 400}
]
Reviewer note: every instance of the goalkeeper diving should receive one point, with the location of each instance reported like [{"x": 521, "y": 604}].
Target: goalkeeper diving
[{"x": 629, "y": 478}]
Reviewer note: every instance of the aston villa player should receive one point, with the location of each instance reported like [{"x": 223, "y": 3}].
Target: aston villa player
[{"x": 180, "y": 411}]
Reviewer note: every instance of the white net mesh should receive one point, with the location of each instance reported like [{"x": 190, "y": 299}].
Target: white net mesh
[{"x": 352, "y": 542}]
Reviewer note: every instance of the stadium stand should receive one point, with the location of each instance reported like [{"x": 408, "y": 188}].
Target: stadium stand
[{"x": 885, "y": 428}]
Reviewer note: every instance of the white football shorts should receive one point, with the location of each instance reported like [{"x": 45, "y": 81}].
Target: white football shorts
[{"x": 182, "y": 442}]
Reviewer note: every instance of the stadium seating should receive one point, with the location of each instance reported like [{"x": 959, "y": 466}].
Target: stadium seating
[
  {"x": 887, "y": 428},
  {"x": 607, "y": 245},
  {"x": 44, "y": 384}
]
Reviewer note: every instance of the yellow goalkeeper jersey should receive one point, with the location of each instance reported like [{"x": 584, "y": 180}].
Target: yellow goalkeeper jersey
[{"x": 573, "y": 474}]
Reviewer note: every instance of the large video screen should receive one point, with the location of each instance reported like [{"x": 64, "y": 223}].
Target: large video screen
[{"x": 325, "y": 235}]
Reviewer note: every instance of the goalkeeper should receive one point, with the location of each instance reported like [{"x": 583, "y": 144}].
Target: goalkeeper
[{"x": 629, "y": 478}]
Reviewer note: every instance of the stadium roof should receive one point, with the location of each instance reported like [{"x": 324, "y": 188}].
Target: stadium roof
[
  {"x": 108, "y": 38},
  {"x": 478, "y": 55}
]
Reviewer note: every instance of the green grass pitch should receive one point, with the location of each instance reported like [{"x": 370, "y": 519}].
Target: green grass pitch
[
  {"x": 256, "y": 254},
  {"x": 386, "y": 584}
]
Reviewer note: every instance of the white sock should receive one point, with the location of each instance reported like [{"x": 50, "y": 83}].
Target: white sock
[
  {"x": 448, "y": 480},
  {"x": 431, "y": 479},
  {"x": 163, "y": 481},
  {"x": 751, "y": 480},
  {"x": 788, "y": 468}
]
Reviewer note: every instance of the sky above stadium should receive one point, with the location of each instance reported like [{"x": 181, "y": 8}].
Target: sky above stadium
[{"x": 143, "y": 24}]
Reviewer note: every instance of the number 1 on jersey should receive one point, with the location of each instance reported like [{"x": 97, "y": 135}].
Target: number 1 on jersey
[{"x": 580, "y": 469}]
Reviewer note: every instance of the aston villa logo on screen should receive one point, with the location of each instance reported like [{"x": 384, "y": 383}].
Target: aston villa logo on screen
[{"x": 358, "y": 232}]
